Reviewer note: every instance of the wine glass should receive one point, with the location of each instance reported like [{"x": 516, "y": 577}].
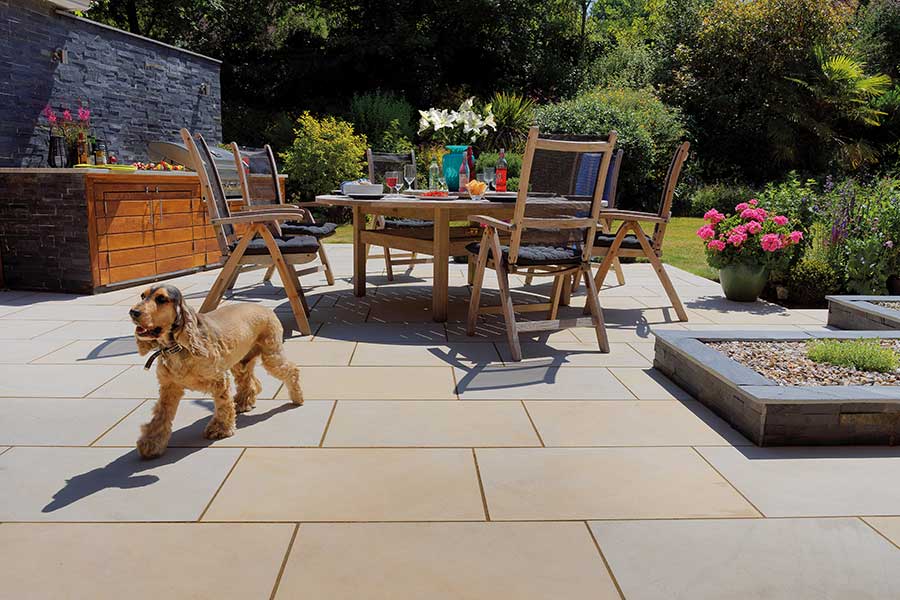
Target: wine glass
[
  {"x": 489, "y": 176},
  {"x": 392, "y": 180},
  {"x": 409, "y": 175}
]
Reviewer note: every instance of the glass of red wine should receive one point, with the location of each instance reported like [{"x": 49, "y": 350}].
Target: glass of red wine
[{"x": 392, "y": 180}]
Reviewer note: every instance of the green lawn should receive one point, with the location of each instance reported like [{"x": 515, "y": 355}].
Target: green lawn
[{"x": 682, "y": 248}]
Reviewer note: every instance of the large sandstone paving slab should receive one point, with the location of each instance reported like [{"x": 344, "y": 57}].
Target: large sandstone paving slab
[
  {"x": 750, "y": 559},
  {"x": 59, "y": 421},
  {"x": 538, "y": 380},
  {"x": 445, "y": 561},
  {"x": 109, "y": 484},
  {"x": 55, "y": 381},
  {"x": 330, "y": 484},
  {"x": 141, "y": 561},
  {"x": 604, "y": 483}
]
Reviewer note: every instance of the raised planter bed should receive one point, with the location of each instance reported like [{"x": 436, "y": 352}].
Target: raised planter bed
[
  {"x": 864, "y": 312},
  {"x": 770, "y": 414}
]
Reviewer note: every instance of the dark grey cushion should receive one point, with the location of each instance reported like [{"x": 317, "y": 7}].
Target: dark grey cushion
[
  {"x": 605, "y": 240},
  {"x": 317, "y": 230},
  {"x": 533, "y": 255},
  {"x": 407, "y": 223},
  {"x": 298, "y": 244}
]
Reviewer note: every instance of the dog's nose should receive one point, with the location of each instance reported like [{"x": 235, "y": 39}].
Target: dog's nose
[{"x": 135, "y": 313}]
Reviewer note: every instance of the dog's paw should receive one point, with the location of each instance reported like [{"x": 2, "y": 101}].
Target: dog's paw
[
  {"x": 296, "y": 395},
  {"x": 243, "y": 406},
  {"x": 151, "y": 447},
  {"x": 217, "y": 430}
]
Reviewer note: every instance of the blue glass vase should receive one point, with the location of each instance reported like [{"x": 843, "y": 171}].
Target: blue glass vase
[{"x": 452, "y": 163}]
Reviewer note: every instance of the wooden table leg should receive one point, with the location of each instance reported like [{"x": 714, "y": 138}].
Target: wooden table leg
[
  {"x": 359, "y": 253},
  {"x": 441, "y": 283}
]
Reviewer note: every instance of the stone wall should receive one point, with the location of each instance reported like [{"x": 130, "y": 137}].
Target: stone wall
[{"x": 138, "y": 90}]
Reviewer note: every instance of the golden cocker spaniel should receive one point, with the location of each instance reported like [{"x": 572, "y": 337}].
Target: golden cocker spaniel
[{"x": 196, "y": 351}]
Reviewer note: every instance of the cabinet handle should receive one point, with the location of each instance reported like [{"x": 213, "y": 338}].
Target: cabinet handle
[
  {"x": 146, "y": 189},
  {"x": 157, "y": 189}
]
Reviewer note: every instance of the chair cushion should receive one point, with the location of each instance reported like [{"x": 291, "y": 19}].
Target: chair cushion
[
  {"x": 533, "y": 254},
  {"x": 407, "y": 223},
  {"x": 317, "y": 230},
  {"x": 605, "y": 240},
  {"x": 297, "y": 244}
]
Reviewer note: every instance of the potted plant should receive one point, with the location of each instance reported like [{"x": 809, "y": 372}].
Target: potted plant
[
  {"x": 456, "y": 129},
  {"x": 64, "y": 130},
  {"x": 746, "y": 246}
]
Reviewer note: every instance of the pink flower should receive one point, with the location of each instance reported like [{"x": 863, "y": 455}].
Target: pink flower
[
  {"x": 796, "y": 236},
  {"x": 742, "y": 206},
  {"x": 713, "y": 216},
  {"x": 754, "y": 202},
  {"x": 51, "y": 116},
  {"x": 67, "y": 116},
  {"x": 755, "y": 214},
  {"x": 706, "y": 232},
  {"x": 754, "y": 227},
  {"x": 83, "y": 114},
  {"x": 716, "y": 245},
  {"x": 771, "y": 242},
  {"x": 736, "y": 239},
  {"x": 741, "y": 229},
  {"x": 780, "y": 220},
  {"x": 889, "y": 244}
]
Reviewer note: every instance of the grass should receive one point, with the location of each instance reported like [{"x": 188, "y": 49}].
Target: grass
[
  {"x": 682, "y": 248},
  {"x": 863, "y": 355}
]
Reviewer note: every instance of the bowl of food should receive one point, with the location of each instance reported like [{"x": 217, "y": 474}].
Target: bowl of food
[{"x": 476, "y": 189}]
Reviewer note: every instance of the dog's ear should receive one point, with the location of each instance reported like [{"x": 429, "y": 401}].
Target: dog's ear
[
  {"x": 187, "y": 330},
  {"x": 145, "y": 346}
]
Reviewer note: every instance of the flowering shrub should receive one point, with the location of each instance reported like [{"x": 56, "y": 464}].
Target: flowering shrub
[
  {"x": 465, "y": 125},
  {"x": 751, "y": 236}
]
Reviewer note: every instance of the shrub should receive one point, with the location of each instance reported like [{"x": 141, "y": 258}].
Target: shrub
[
  {"x": 489, "y": 159},
  {"x": 648, "y": 133},
  {"x": 879, "y": 35},
  {"x": 719, "y": 196},
  {"x": 325, "y": 153},
  {"x": 374, "y": 115},
  {"x": 810, "y": 280},
  {"x": 629, "y": 64},
  {"x": 862, "y": 355},
  {"x": 393, "y": 139},
  {"x": 513, "y": 114}
]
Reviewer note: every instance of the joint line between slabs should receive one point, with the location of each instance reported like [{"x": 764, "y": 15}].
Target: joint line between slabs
[
  {"x": 328, "y": 424},
  {"x": 287, "y": 554},
  {"x": 734, "y": 487},
  {"x": 63, "y": 347},
  {"x": 221, "y": 485},
  {"x": 116, "y": 424},
  {"x": 533, "y": 426},
  {"x": 875, "y": 529},
  {"x": 487, "y": 512},
  {"x": 612, "y": 575}
]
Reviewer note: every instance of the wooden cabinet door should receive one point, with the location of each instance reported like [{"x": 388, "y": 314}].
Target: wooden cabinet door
[
  {"x": 124, "y": 225},
  {"x": 174, "y": 206}
]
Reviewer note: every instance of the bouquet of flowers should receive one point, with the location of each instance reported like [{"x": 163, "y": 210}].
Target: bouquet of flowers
[
  {"x": 750, "y": 236},
  {"x": 464, "y": 125},
  {"x": 67, "y": 125}
]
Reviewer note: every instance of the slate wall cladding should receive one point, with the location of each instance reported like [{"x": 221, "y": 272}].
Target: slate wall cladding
[
  {"x": 138, "y": 90},
  {"x": 44, "y": 232}
]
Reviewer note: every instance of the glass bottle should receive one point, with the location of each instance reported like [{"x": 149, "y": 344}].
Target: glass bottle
[
  {"x": 500, "y": 172},
  {"x": 464, "y": 172},
  {"x": 434, "y": 172}
]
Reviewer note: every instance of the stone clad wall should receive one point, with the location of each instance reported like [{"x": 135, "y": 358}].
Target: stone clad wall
[{"x": 138, "y": 90}]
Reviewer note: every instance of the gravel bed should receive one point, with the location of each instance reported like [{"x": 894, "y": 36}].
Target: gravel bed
[
  {"x": 786, "y": 363},
  {"x": 890, "y": 305}
]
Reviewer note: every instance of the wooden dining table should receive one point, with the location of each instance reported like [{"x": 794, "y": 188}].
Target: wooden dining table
[{"x": 441, "y": 241}]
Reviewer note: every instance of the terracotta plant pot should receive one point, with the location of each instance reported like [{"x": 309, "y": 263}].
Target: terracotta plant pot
[{"x": 743, "y": 283}]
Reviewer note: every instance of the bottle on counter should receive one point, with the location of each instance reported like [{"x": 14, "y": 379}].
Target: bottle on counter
[
  {"x": 100, "y": 152},
  {"x": 464, "y": 172},
  {"x": 81, "y": 149},
  {"x": 500, "y": 171}
]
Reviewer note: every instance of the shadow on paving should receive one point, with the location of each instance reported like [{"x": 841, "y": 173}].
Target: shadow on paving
[
  {"x": 723, "y": 305},
  {"x": 111, "y": 347},
  {"x": 126, "y": 471}
]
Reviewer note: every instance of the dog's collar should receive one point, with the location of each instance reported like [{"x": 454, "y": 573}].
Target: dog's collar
[{"x": 174, "y": 349}]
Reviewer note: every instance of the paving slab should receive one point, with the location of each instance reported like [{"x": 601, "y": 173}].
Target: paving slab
[
  {"x": 328, "y": 484},
  {"x": 750, "y": 559},
  {"x": 109, "y": 484},
  {"x": 59, "y": 421},
  {"x": 434, "y": 423},
  {"x": 445, "y": 561},
  {"x": 424, "y": 355},
  {"x": 271, "y": 423},
  {"x": 135, "y": 382},
  {"x": 141, "y": 561},
  {"x": 630, "y": 423},
  {"x": 55, "y": 381},
  {"x": 604, "y": 483},
  {"x": 649, "y": 384},
  {"x": 538, "y": 381},
  {"x": 19, "y": 352},
  {"x": 115, "y": 351},
  {"x": 813, "y": 482},
  {"x": 376, "y": 383},
  {"x": 578, "y": 355},
  {"x": 90, "y": 330},
  {"x": 11, "y": 329},
  {"x": 320, "y": 354},
  {"x": 889, "y": 527}
]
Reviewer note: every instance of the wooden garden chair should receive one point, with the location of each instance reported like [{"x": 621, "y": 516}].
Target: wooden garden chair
[
  {"x": 637, "y": 244},
  {"x": 260, "y": 244},
  {"x": 379, "y": 163},
  {"x": 263, "y": 162},
  {"x": 559, "y": 247}
]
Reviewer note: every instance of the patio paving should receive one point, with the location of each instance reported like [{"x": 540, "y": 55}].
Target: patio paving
[{"x": 423, "y": 464}]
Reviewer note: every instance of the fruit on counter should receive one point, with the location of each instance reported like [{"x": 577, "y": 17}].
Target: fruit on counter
[
  {"x": 435, "y": 194},
  {"x": 476, "y": 188},
  {"x": 160, "y": 166}
]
